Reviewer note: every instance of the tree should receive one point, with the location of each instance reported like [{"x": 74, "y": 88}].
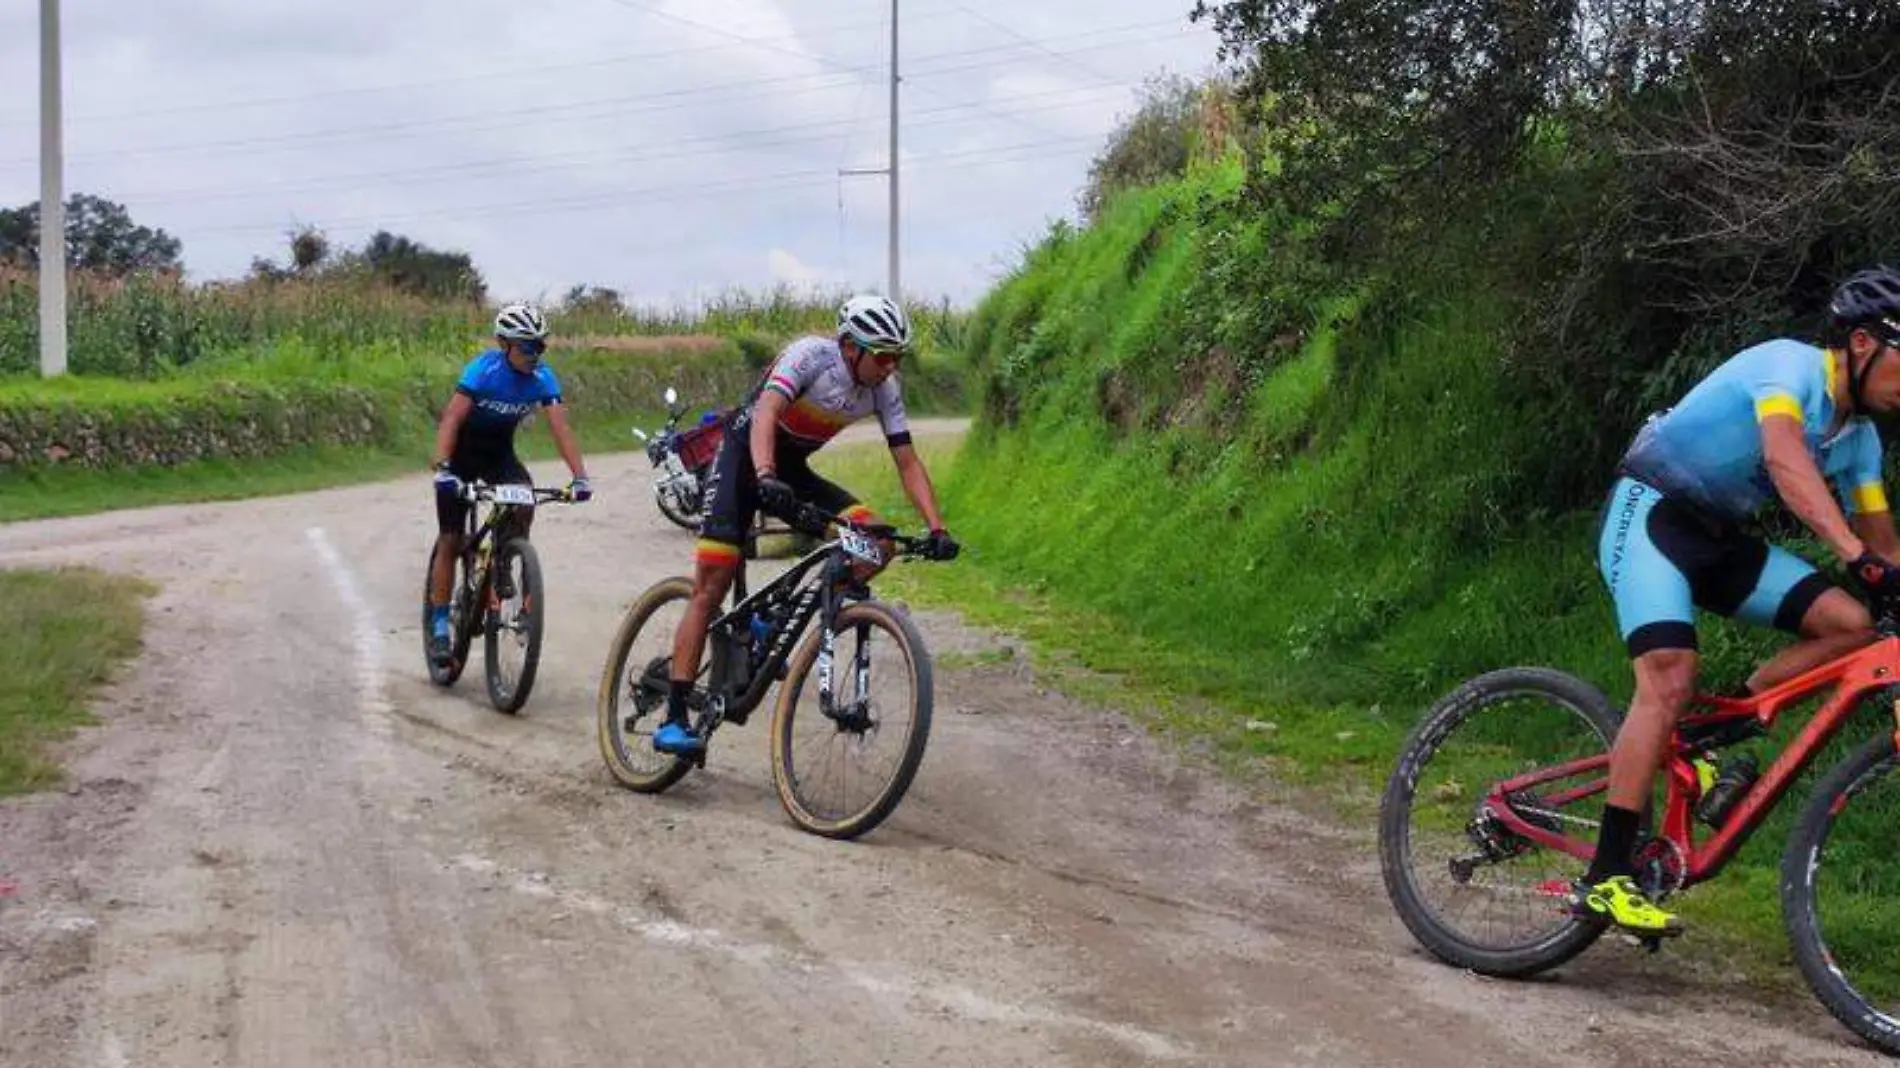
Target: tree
[
  {"x": 1153, "y": 144},
  {"x": 593, "y": 300},
  {"x": 308, "y": 249},
  {"x": 100, "y": 236},
  {"x": 415, "y": 268}
]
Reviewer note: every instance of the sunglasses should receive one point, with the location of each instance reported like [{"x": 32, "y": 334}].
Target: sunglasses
[
  {"x": 886, "y": 357},
  {"x": 532, "y": 348}
]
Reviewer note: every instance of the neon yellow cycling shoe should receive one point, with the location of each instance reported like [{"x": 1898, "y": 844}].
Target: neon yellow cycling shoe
[{"x": 1618, "y": 900}]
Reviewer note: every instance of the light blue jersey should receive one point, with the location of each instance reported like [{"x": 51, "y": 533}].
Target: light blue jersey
[{"x": 1708, "y": 448}]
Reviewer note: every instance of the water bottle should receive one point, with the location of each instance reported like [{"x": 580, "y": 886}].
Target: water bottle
[
  {"x": 761, "y": 628},
  {"x": 1731, "y": 783}
]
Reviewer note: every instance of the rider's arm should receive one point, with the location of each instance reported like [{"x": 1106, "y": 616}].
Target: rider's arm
[
  {"x": 1877, "y": 530},
  {"x": 910, "y": 468},
  {"x": 765, "y": 415},
  {"x": 563, "y": 433},
  {"x": 452, "y": 418},
  {"x": 1803, "y": 489}
]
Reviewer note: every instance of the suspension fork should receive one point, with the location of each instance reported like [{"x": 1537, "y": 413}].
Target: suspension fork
[{"x": 827, "y": 638}]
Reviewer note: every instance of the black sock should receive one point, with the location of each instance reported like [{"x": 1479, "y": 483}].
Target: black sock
[
  {"x": 676, "y": 700},
  {"x": 1616, "y": 845}
]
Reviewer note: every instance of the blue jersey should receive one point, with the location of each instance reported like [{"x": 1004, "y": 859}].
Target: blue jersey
[
  {"x": 1708, "y": 447},
  {"x": 503, "y": 396}
]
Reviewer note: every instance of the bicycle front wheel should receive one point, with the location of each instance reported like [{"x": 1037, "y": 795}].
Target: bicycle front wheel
[
  {"x": 1839, "y": 889},
  {"x": 1471, "y": 891},
  {"x": 841, "y": 775},
  {"x": 512, "y": 630}
]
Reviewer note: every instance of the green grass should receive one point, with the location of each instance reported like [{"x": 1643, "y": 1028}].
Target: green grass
[{"x": 72, "y": 629}]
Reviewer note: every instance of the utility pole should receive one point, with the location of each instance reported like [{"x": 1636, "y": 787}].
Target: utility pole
[
  {"x": 52, "y": 201},
  {"x": 895, "y": 293},
  {"x": 891, "y": 168}
]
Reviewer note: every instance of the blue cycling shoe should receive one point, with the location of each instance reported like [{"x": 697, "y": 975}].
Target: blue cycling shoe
[{"x": 677, "y": 739}]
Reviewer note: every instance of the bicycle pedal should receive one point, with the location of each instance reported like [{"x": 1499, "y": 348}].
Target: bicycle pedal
[{"x": 1646, "y": 943}]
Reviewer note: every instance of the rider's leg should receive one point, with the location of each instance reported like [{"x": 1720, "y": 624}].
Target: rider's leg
[
  {"x": 511, "y": 471},
  {"x": 1665, "y": 679},
  {"x": 450, "y": 513},
  {"x": 731, "y": 501},
  {"x": 715, "y": 566},
  {"x": 836, "y": 500},
  {"x": 1830, "y": 621},
  {"x": 1655, "y": 613}
]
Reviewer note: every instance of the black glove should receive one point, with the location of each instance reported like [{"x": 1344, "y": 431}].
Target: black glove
[
  {"x": 940, "y": 546},
  {"x": 775, "y": 496},
  {"x": 1877, "y": 573}
]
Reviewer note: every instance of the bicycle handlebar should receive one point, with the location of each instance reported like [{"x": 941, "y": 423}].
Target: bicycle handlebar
[
  {"x": 811, "y": 519},
  {"x": 478, "y": 491}
]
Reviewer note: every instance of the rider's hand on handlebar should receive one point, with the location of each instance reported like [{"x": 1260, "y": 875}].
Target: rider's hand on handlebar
[
  {"x": 939, "y": 546},
  {"x": 1877, "y": 573},
  {"x": 580, "y": 489},
  {"x": 775, "y": 496},
  {"x": 446, "y": 481}
]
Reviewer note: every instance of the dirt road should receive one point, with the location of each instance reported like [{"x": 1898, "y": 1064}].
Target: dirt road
[{"x": 285, "y": 848}]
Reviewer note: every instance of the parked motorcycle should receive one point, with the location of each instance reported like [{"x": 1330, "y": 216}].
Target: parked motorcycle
[{"x": 682, "y": 460}]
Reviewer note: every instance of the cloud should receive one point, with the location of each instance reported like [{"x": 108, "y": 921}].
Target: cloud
[{"x": 654, "y": 146}]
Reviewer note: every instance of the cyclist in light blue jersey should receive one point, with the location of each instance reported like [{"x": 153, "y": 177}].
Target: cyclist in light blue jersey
[
  {"x": 476, "y": 440},
  {"x": 1782, "y": 419}
]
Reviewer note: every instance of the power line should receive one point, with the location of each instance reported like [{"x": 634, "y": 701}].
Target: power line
[
  {"x": 802, "y": 53},
  {"x": 246, "y": 101},
  {"x": 1031, "y": 42},
  {"x": 566, "y": 111},
  {"x": 761, "y": 137},
  {"x": 802, "y": 179}
]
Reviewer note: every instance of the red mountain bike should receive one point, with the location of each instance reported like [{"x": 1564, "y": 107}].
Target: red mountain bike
[{"x": 1493, "y": 810}]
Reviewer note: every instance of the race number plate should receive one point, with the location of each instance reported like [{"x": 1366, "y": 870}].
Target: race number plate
[
  {"x": 860, "y": 546},
  {"x": 522, "y": 495}
]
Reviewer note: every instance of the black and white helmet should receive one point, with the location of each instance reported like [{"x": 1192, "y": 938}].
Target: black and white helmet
[
  {"x": 521, "y": 322},
  {"x": 1870, "y": 297},
  {"x": 875, "y": 322}
]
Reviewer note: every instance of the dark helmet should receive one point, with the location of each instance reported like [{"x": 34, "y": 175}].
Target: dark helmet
[
  {"x": 1870, "y": 296},
  {"x": 1869, "y": 299}
]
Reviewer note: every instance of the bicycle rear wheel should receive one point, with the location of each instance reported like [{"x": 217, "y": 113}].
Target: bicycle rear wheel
[
  {"x": 461, "y": 634},
  {"x": 875, "y": 743},
  {"x": 1839, "y": 888},
  {"x": 1472, "y": 892},
  {"x": 631, "y": 703},
  {"x": 512, "y": 626}
]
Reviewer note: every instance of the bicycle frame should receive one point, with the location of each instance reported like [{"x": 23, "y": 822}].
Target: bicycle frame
[
  {"x": 1872, "y": 668},
  {"x": 487, "y": 534},
  {"x": 809, "y": 600}
]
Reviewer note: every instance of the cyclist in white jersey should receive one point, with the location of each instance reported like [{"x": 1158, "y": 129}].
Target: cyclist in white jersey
[{"x": 816, "y": 388}]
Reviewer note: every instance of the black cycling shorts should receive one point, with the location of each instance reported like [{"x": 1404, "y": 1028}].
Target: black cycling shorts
[
  {"x": 732, "y": 494},
  {"x": 493, "y": 463}
]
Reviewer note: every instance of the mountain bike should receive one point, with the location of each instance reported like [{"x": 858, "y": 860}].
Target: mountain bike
[
  {"x": 497, "y": 592},
  {"x": 833, "y": 741},
  {"x": 1493, "y": 809}
]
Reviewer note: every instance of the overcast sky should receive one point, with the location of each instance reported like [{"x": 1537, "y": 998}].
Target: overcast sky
[{"x": 670, "y": 149}]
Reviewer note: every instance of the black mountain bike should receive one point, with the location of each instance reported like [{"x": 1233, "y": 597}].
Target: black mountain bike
[
  {"x": 497, "y": 591},
  {"x": 833, "y": 776}
]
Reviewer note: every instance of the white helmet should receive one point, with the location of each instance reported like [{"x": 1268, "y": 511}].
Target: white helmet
[
  {"x": 520, "y": 322},
  {"x": 874, "y": 322}
]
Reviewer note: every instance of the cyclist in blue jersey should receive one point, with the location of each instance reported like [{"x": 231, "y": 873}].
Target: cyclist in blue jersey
[
  {"x": 476, "y": 440},
  {"x": 1781, "y": 419}
]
